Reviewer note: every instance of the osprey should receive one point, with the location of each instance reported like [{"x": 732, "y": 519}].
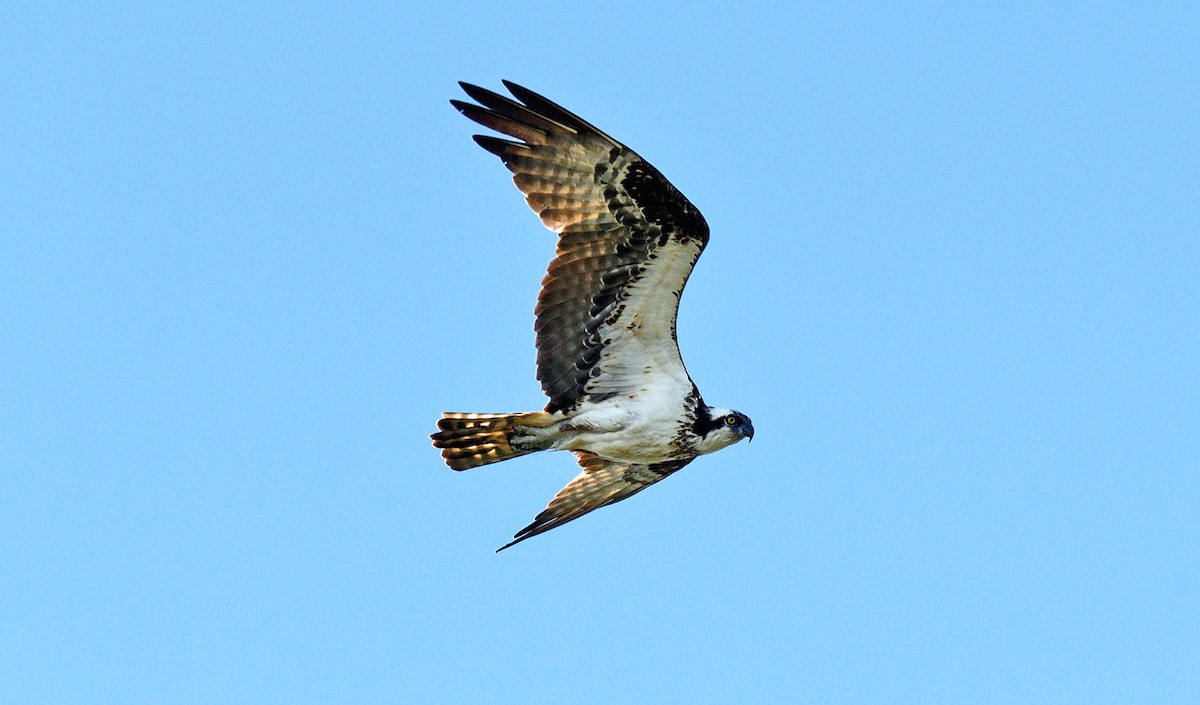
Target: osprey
[{"x": 620, "y": 397}]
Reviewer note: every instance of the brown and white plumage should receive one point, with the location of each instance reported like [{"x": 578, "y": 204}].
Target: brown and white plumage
[
  {"x": 608, "y": 359},
  {"x": 601, "y": 483}
]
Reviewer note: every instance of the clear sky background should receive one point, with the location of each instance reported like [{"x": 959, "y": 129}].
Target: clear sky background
[{"x": 248, "y": 253}]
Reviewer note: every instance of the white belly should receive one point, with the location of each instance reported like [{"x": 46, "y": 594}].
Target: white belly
[{"x": 626, "y": 430}]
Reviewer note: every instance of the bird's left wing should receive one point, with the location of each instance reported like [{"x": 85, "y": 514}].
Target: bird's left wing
[{"x": 601, "y": 483}]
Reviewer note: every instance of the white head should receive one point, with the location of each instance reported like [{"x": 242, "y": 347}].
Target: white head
[{"x": 719, "y": 428}]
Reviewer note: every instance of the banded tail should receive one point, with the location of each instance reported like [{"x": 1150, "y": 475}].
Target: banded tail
[{"x": 471, "y": 440}]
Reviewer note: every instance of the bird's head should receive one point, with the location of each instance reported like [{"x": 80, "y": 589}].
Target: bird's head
[{"x": 719, "y": 428}]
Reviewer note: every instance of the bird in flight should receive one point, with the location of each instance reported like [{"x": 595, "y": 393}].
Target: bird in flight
[{"x": 607, "y": 356}]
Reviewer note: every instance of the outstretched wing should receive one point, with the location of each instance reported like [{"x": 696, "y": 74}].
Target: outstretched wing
[
  {"x": 601, "y": 483},
  {"x": 628, "y": 240}
]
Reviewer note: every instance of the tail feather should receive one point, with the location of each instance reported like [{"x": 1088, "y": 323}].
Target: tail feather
[{"x": 471, "y": 440}]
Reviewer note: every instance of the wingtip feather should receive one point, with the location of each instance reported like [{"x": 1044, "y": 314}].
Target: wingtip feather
[{"x": 495, "y": 145}]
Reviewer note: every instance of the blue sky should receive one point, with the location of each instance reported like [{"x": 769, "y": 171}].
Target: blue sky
[{"x": 250, "y": 253}]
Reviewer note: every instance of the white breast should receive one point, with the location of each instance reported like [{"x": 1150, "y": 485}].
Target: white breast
[{"x": 637, "y": 428}]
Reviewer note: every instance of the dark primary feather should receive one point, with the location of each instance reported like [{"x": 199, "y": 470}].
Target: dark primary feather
[
  {"x": 601, "y": 483},
  {"x": 614, "y": 214}
]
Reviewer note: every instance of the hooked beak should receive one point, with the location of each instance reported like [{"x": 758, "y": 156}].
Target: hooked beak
[{"x": 748, "y": 431}]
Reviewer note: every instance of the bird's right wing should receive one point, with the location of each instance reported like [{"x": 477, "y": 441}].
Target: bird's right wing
[{"x": 628, "y": 240}]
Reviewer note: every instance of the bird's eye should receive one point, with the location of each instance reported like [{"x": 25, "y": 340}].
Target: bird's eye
[{"x": 730, "y": 420}]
